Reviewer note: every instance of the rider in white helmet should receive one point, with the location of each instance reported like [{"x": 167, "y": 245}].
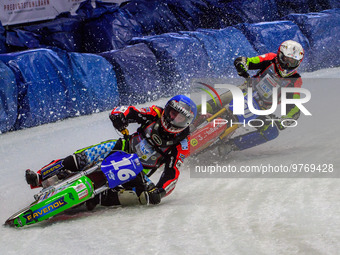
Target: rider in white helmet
[
  {"x": 280, "y": 68},
  {"x": 289, "y": 58}
]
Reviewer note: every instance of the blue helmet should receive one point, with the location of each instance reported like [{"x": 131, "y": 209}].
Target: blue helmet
[{"x": 179, "y": 112}]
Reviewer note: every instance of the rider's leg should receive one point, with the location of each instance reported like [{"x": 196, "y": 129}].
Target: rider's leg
[{"x": 75, "y": 162}]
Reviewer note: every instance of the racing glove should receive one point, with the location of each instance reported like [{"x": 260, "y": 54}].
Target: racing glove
[
  {"x": 119, "y": 121},
  {"x": 154, "y": 196},
  {"x": 241, "y": 66}
]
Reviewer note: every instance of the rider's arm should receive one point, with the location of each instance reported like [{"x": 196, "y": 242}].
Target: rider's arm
[
  {"x": 123, "y": 115},
  {"x": 243, "y": 64},
  {"x": 139, "y": 115},
  {"x": 292, "y": 111},
  {"x": 168, "y": 180},
  {"x": 260, "y": 62}
]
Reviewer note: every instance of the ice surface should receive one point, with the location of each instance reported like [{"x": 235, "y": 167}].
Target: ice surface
[{"x": 203, "y": 215}]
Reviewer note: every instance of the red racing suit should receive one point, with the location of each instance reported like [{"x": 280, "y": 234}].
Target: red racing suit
[
  {"x": 267, "y": 66},
  {"x": 154, "y": 146},
  {"x": 263, "y": 82},
  {"x": 151, "y": 143}
]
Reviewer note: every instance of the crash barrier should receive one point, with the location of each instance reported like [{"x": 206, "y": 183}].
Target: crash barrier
[
  {"x": 180, "y": 57},
  {"x": 42, "y": 86},
  {"x": 204, "y": 53},
  {"x": 323, "y": 33},
  {"x": 91, "y": 30},
  {"x": 304, "y": 6},
  {"x": 222, "y": 47},
  {"x": 64, "y": 33},
  {"x": 149, "y": 68},
  {"x": 153, "y": 67},
  {"x": 108, "y": 29},
  {"x": 8, "y": 98},
  {"x": 110, "y": 26},
  {"x": 138, "y": 74},
  {"x": 3, "y": 45}
]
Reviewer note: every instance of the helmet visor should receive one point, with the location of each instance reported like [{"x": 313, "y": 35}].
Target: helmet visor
[
  {"x": 288, "y": 62},
  {"x": 176, "y": 116},
  {"x": 175, "y": 119}
]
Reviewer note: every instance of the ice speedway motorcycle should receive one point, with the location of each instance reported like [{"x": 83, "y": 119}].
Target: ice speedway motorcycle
[
  {"x": 120, "y": 167},
  {"x": 117, "y": 168},
  {"x": 58, "y": 196},
  {"x": 223, "y": 123},
  {"x": 218, "y": 127}
]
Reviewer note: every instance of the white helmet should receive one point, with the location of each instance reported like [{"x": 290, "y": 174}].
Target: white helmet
[{"x": 289, "y": 57}]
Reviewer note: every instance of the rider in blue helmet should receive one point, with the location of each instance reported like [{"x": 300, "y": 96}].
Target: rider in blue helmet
[
  {"x": 161, "y": 139},
  {"x": 178, "y": 114}
]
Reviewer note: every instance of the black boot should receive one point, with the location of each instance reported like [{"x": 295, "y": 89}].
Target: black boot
[
  {"x": 32, "y": 178},
  {"x": 92, "y": 203}
]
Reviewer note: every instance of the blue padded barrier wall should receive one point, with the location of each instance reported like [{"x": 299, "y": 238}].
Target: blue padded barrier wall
[
  {"x": 159, "y": 17},
  {"x": 110, "y": 31},
  {"x": 222, "y": 47},
  {"x": 191, "y": 13},
  {"x": 181, "y": 58},
  {"x": 286, "y": 7},
  {"x": 155, "y": 17},
  {"x": 291, "y": 6},
  {"x": 333, "y": 11},
  {"x": 8, "y": 98},
  {"x": 93, "y": 30},
  {"x": 251, "y": 11},
  {"x": 18, "y": 39},
  {"x": 3, "y": 45},
  {"x": 64, "y": 33},
  {"x": 201, "y": 13},
  {"x": 137, "y": 74},
  {"x": 54, "y": 85},
  {"x": 323, "y": 33},
  {"x": 106, "y": 27},
  {"x": 334, "y": 4},
  {"x": 93, "y": 86},
  {"x": 267, "y": 37},
  {"x": 194, "y": 14},
  {"x": 41, "y": 78},
  {"x": 110, "y": 26}
]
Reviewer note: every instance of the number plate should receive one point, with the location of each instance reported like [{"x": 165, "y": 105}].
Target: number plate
[{"x": 121, "y": 167}]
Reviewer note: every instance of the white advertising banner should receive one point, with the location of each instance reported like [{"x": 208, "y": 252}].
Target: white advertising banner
[{"x": 22, "y": 11}]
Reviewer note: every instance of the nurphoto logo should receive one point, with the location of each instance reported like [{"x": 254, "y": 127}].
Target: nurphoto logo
[{"x": 244, "y": 105}]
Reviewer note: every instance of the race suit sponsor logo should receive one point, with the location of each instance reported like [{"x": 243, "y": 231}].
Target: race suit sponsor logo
[
  {"x": 185, "y": 144},
  {"x": 156, "y": 139},
  {"x": 181, "y": 157},
  {"x": 51, "y": 170},
  {"x": 145, "y": 150},
  {"x": 194, "y": 142}
]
